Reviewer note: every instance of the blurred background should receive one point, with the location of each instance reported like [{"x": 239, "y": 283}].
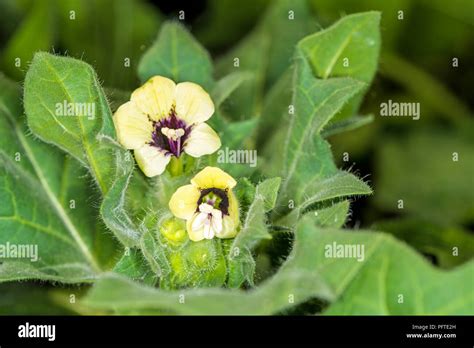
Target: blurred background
[{"x": 427, "y": 55}]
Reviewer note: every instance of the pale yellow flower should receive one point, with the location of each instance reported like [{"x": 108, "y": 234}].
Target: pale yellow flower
[
  {"x": 208, "y": 205},
  {"x": 162, "y": 120}
]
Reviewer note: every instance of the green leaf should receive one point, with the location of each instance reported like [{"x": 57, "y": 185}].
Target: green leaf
[
  {"x": 155, "y": 255},
  {"x": 245, "y": 192},
  {"x": 53, "y": 81},
  {"x": 177, "y": 55},
  {"x": 133, "y": 265},
  {"x": 368, "y": 283},
  {"x": 235, "y": 138},
  {"x": 317, "y": 98},
  {"x": 332, "y": 216},
  {"x": 392, "y": 269},
  {"x": 46, "y": 201},
  {"x": 240, "y": 260},
  {"x": 275, "y": 111},
  {"x": 226, "y": 86},
  {"x": 252, "y": 58},
  {"x": 268, "y": 190},
  {"x": 330, "y": 11},
  {"x": 236, "y": 133},
  {"x": 349, "y": 48},
  {"x": 266, "y": 53},
  {"x": 316, "y": 102},
  {"x": 340, "y": 185},
  {"x": 296, "y": 280},
  {"x": 346, "y": 125},
  {"x": 449, "y": 245},
  {"x": 89, "y": 137},
  {"x": 113, "y": 209},
  {"x": 438, "y": 190}
]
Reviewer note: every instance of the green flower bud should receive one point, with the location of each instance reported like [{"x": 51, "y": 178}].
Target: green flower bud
[
  {"x": 174, "y": 231},
  {"x": 195, "y": 264}
]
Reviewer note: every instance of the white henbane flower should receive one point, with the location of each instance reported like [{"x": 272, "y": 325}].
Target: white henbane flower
[
  {"x": 208, "y": 205},
  {"x": 162, "y": 120}
]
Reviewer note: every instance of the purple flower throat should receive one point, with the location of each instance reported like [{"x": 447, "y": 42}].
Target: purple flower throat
[{"x": 171, "y": 145}]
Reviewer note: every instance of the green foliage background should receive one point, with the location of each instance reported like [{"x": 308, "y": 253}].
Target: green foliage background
[{"x": 282, "y": 62}]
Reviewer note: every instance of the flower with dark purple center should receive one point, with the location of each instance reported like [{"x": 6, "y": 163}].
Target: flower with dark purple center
[
  {"x": 208, "y": 205},
  {"x": 163, "y": 120}
]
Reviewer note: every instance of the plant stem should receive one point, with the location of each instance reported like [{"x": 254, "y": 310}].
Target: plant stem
[{"x": 176, "y": 166}]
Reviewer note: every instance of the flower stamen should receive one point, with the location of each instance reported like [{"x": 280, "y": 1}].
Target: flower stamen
[{"x": 170, "y": 134}]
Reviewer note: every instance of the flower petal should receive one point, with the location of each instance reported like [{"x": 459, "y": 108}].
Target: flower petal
[
  {"x": 194, "y": 235},
  {"x": 183, "y": 203},
  {"x": 193, "y": 104},
  {"x": 151, "y": 160},
  {"x": 213, "y": 177},
  {"x": 205, "y": 208},
  {"x": 231, "y": 222},
  {"x": 199, "y": 221},
  {"x": 233, "y": 208},
  {"x": 229, "y": 229},
  {"x": 132, "y": 126},
  {"x": 203, "y": 140},
  {"x": 156, "y": 97},
  {"x": 217, "y": 221},
  {"x": 208, "y": 231}
]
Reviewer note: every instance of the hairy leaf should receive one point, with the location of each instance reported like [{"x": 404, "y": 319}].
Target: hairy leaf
[
  {"x": 55, "y": 84},
  {"x": 316, "y": 102},
  {"x": 371, "y": 283},
  {"x": 47, "y": 202},
  {"x": 380, "y": 286},
  {"x": 317, "y": 98},
  {"x": 254, "y": 229},
  {"x": 154, "y": 255},
  {"x": 348, "y": 48},
  {"x": 133, "y": 265},
  {"x": 338, "y": 186},
  {"x": 113, "y": 208}
]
